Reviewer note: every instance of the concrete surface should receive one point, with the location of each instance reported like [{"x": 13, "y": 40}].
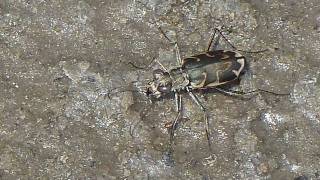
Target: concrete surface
[{"x": 60, "y": 59}]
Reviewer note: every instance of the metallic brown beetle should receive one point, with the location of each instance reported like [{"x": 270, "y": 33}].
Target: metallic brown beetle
[
  {"x": 202, "y": 71},
  {"x": 208, "y": 70}
]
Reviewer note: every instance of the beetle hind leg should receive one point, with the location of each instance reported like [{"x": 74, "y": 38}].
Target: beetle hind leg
[
  {"x": 216, "y": 43},
  {"x": 243, "y": 93},
  {"x": 215, "y": 38}
]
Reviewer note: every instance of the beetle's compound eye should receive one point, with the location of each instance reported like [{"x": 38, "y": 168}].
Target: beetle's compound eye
[
  {"x": 164, "y": 88},
  {"x": 148, "y": 91},
  {"x": 157, "y": 73}
]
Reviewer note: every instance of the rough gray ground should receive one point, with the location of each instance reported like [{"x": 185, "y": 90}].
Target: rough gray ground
[{"x": 59, "y": 59}]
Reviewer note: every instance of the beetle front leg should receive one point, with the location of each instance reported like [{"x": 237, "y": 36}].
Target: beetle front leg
[
  {"x": 196, "y": 100},
  {"x": 176, "y": 46},
  {"x": 179, "y": 60}
]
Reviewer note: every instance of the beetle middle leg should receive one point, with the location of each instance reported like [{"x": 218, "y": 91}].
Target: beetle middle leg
[
  {"x": 196, "y": 100},
  {"x": 178, "y": 101}
]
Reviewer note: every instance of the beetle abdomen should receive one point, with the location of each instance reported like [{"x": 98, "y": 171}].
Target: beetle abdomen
[{"x": 213, "y": 68}]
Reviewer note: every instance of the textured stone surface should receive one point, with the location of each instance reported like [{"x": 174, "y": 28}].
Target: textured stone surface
[{"x": 60, "y": 59}]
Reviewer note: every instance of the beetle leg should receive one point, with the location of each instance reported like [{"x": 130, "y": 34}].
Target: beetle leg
[
  {"x": 164, "y": 35},
  {"x": 217, "y": 31},
  {"x": 178, "y": 54},
  {"x": 212, "y": 39},
  {"x": 162, "y": 66},
  {"x": 179, "y": 60},
  {"x": 178, "y": 100},
  {"x": 196, "y": 100},
  {"x": 233, "y": 92},
  {"x": 241, "y": 93}
]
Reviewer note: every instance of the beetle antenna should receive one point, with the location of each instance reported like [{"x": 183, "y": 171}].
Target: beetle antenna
[
  {"x": 118, "y": 90},
  {"x": 111, "y": 93},
  {"x": 143, "y": 67}
]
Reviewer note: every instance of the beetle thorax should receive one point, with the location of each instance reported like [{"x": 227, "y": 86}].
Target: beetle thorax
[{"x": 180, "y": 79}]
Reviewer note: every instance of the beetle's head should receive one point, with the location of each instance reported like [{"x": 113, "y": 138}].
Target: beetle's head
[{"x": 160, "y": 85}]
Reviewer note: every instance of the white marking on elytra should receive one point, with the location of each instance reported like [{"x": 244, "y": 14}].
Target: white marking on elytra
[
  {"x": 241, "y": 62},
  {"x": 238, "y": 55},
  {"x": 218, "y": 77},
  {"x": 202, "y": 83}
]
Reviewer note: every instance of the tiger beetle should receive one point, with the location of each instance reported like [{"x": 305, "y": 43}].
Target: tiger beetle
[
  {"x": 211, "y": 69},
  {"x": 208, "y": 70}
]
